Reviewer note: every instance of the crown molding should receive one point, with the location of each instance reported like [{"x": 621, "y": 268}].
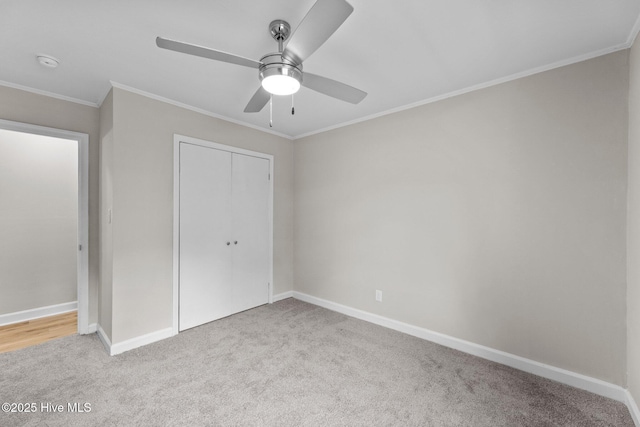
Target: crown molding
[
  {"x": 49, "y": 94},
  {"x": 495, "y": 82},
  {"x": 194, "y": 109}
]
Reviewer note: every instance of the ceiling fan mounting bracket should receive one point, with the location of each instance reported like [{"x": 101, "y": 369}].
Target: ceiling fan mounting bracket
[{"x": 280, "y": 31}]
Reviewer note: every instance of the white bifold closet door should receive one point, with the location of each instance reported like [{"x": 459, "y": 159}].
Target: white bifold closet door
[{"x": 224, "y": 241}]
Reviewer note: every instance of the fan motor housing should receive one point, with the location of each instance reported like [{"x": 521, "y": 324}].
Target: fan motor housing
[{"x": 275, "y": 64}]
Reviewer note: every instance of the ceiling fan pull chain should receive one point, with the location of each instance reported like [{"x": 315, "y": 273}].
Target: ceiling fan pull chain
[
  {"x": 270, "y": 111},
  {"x": 293, "y": 110}
]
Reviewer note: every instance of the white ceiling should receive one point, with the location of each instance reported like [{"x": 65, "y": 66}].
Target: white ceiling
[{"x": 402, "y": 53}]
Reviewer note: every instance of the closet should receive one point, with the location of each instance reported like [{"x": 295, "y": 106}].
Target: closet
[{"x": 224, "y": 232}]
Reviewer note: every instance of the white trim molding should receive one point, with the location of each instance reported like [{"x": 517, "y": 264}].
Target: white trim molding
[
  {"x": 633, "y": 34},
  {"x": 104, "y": 339},
  {"x": 140, "y": 341},
  {"x": 132, "y": 343},
  {"x": 48, "y": 94},
  {"x": 37, "y": 313},
  {"x": 83, "y": 209},
  {"x": 194, "y": 109},
  {"x": 563, "y": 376},
  {"x": 283, "y": 295},
  {"x": 472, "y": 88},
  {"x": 633, "y": 408}
]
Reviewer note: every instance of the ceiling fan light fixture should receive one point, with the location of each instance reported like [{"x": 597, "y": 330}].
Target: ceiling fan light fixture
[
  {"x": 280, "y": 76},
  {"x": 280, "y": 84}
]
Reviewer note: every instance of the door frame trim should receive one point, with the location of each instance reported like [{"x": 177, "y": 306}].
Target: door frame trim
[
  {"x": 83, "y": 208},
  {"x": 180, "y": 139}
]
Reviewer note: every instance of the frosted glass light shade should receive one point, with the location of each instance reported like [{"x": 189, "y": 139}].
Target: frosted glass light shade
[{"x": 279, "y": 84}]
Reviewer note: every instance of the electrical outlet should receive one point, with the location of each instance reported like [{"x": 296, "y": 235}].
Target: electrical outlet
[{"x": 379, "y": 296}]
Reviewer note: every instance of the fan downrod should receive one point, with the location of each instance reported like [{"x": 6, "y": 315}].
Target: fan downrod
[{"x": 280, "y": 31}]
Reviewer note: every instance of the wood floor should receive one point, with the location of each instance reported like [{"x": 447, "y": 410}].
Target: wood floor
[{"x": 32, "y": 332}]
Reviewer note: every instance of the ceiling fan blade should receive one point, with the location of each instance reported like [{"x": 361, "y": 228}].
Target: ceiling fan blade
[
  {"x": 333, "y": 88},
  {"x": 322, "y": 20},
  {"x": 257, "y": 101},
  {"x": 205, "y": 52}
]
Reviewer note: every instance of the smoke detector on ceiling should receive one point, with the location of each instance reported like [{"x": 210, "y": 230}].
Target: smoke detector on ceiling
[{"x": 47, "y": 61}]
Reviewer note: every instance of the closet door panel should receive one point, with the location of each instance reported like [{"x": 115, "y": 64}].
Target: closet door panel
[
  {"x": 205, "y": 258},
  {"x": 250, "y": 225}
]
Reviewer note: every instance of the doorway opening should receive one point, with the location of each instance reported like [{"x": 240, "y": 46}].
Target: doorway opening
[{"x": 45, "y": 229}]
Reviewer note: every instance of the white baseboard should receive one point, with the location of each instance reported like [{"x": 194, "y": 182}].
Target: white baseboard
[
  {"x": 283, "y": 295},
  {"x": 584, "y": 382},
  {"x": 152, "y": 337},
  {"x": 92, "y": 328},
  {"x": 633, "y": 408},
  {"x": 136, "y": 342},
  {"x": 132, "y": 343},
  {"x": 104, "y": 339},
  {"x": 37, "y": 313}
]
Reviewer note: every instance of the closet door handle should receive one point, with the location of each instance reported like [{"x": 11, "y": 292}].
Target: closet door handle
[
  {"x": 228, "y": 243},
  {"x": 235, "y": 243}
]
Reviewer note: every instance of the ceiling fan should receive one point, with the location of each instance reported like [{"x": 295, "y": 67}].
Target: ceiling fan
[{"x": 280, "y": 73}]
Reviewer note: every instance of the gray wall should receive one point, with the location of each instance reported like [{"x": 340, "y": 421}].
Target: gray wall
[
  {"x": 38, "y": 221},
  {"x": 633, "y": 224},
  {"x": 106, "y": 203},
  {"x": 26, "y": 107},
  {"x": 497, "y": 216},
  {"x": 142, "y": 189}
]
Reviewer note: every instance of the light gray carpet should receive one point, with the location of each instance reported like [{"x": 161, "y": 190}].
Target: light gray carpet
[{"x": 288, "y": 364}]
